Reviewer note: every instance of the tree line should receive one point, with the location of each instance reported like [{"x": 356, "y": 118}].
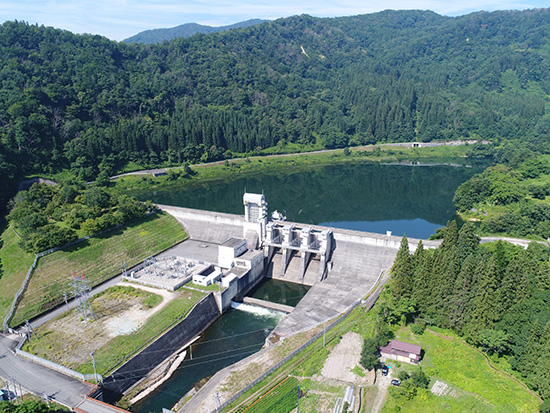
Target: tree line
[
  {"x": 494, "y": 295},
  {"x": 82, "y": 102}
]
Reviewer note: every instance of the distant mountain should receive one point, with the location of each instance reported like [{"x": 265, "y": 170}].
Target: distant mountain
[{"x": 185, "y": 30}]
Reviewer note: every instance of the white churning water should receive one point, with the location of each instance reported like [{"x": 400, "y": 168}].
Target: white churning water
[{"x": 260, "y": 311}]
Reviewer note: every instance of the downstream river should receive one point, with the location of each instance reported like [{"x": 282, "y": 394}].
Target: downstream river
[{"x": 404, "y": 199}]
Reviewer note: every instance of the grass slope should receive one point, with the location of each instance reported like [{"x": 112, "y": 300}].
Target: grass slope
[
  {"x": 15, "y": 264},
  {"x": 99, "y": 259},
  {"x": 480, "y": 386}
]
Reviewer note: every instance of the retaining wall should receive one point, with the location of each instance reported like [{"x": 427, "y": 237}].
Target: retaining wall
[{"x": 198, "y": 319}]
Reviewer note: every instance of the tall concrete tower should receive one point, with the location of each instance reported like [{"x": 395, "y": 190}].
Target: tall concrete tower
[{"x": 255, "y": 219}]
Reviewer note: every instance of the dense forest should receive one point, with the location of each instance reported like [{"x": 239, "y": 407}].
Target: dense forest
[
  {"x": 87, "y": 104},
  {"x": 495, "y": 295}
]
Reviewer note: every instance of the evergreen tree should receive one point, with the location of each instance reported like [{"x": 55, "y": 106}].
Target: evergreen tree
[
  {"x": 485, "y": 310},
  {"x": 445, "y": 270},
  {"x": 401, "y": 281},
  {"x": 422, "y": 280},
  {"x": 462, "y": 294},
  {"x": 515, "y": 284},
  {"x": 467, "y": 241}
]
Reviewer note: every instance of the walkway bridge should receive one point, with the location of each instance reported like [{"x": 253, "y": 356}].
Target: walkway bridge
[{"x": 291, "y": 238}]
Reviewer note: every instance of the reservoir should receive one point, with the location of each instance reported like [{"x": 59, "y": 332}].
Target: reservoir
[{"x": 373, "y": 197}]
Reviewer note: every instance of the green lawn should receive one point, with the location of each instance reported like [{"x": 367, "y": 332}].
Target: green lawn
[
  {"x": 15, "y": 264},
  {"x": 479, "y": 386},
  {"x": 99, "y": 259}
]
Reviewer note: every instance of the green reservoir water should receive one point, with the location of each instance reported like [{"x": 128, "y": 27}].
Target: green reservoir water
[
  {"x": 366, "y": 196},
  {"x": 235, "y": 335},
  {"x": 279, "y": 292}
]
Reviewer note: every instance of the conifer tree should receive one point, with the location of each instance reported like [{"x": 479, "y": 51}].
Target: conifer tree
[
  {"x": 401, "y": 272},
  {"x": 485, "y": 304},
  {"x": 515, "y": 284},
  {"x": 445, "y": 271},
  {"x": 462, "y": 294},
  {"x": 467, "y": 241},
  {"x": 422, "y": 280}
]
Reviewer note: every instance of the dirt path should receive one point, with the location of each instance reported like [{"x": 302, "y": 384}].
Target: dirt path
[
  {"x": 344, "y": 358},
  {"x": 382, "y": 383}
]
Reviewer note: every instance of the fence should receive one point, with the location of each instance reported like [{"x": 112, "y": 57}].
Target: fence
[
  {"x": 368, "y": 303},
  {"x": 54, "y": 366},
  {"x": 20, "y": 292}
]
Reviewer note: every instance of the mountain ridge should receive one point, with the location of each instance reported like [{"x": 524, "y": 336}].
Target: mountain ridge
[
  {"x": 89, "y": 104},
  {"x": 153, "y": 36}
]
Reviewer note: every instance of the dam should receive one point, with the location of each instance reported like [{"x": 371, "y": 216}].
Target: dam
[
  {"x": 340, "y": 265},
  {"x": 235, "y": 253}
]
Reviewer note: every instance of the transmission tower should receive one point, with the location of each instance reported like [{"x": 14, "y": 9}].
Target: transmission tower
[{"x": 81, "y": 290}]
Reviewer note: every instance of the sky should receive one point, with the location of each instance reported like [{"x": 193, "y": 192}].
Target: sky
[{"x": 120, "y": 19}]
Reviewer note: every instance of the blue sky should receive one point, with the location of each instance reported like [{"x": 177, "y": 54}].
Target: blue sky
[{"x": 119, "y": 19}]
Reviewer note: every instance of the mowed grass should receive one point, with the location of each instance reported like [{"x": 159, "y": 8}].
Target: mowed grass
[
  {"x": 122, "y": 348},
  {"x": 15, "y": 264},
  {"x": 480, "y": 386},
  {"x": 99, "y": 259}
]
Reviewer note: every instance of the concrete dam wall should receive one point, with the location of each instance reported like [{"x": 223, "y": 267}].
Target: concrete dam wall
[{"x": 198, "y": 319}]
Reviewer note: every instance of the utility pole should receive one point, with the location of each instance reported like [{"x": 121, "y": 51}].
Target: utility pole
[
  {"x": 66, "y": 302},
  {"x": 217, "y": 397},
  {"x": 191, "y": 351},
  {"x": 15, "y": 390},
  {"x": 93, "y": 363},
  {"x": 324, "y": 333}
]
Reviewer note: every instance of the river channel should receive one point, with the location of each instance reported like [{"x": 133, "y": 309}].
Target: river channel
[{"x": 404, "y": 199}]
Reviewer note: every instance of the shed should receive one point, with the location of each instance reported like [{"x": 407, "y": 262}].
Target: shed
[{"x": 401, "y": 351}]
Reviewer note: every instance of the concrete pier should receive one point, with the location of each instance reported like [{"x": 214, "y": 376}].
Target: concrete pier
[{"x": 268, "y": 304}]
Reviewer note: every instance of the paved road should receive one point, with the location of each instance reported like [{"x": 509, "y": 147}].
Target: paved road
[
  {"x": 357, "y": 148},
  {"x": 38, "y": 379}
]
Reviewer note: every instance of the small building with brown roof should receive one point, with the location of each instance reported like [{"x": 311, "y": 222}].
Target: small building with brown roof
[{"x": 401, "y": 351}]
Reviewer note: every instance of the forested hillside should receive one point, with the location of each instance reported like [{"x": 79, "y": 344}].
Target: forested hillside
[
  {"x": 88, "y": 104},
  {"x": 494, "y": 295}
]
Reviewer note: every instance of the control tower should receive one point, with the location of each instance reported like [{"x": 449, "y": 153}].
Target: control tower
[{"x": 255, "y": 219}]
